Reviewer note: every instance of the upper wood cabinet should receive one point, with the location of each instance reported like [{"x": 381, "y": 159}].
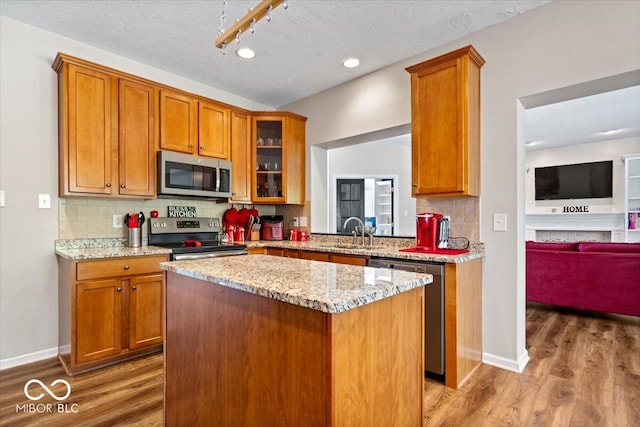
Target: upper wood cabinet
[
  {"x": 178, "y": 122},
  {"x": 193, "y": 125},
  {"x": 213, "y": 130},
  {"x": 278, "y": 141},
  {"x": 445, "y": 124},
  {"x": 241, "y": 157},
  {"x": 107, "y": 127},
  {"x": 138, "y": 109}
]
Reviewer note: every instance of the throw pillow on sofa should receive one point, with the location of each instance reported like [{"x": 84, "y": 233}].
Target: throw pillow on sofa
[
  {"x": 609, "y": 247},
  {"x": 552, "y": 246}
]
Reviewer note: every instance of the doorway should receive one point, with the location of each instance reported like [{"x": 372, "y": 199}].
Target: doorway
[{"x": 370, "y": 199}]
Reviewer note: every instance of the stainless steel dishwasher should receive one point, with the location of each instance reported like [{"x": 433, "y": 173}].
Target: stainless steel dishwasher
[{"x": 433, "y": 310}]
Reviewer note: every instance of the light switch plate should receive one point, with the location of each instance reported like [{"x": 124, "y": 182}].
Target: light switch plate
[
  {"x": 302, "y": 221},
  {"x": 117, "y": 221},
  {"x": 499, "y": 222},
  {"x": 44, "y": 201}
]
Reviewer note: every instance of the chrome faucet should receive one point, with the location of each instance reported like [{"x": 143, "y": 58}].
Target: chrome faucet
[{"x": 362, "y": 230}]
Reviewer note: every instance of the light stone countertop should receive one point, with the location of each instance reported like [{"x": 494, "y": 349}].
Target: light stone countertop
[
  {"x": 383, "y": 247},
  {"x": 85, "y": 249},
  {"x": 322, "y": 286}
]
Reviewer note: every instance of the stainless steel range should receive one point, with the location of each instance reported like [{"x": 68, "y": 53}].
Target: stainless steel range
[{"x": 191, "y": 238}]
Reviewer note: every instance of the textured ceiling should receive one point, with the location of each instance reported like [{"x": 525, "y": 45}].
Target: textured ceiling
[{"x": 298, "y": 53}]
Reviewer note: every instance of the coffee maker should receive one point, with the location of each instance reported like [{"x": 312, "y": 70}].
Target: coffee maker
[{"x": 432, "y": 231}]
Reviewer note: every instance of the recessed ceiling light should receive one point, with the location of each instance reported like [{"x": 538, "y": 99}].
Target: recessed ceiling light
[
  {"x": 350, "y": 62},
  {"x": 245, "y": 52},
  {"x": 532, "y": 143},
  {"x": 610, "y": 132}
]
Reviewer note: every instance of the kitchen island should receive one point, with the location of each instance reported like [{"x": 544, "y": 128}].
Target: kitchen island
[{"x": 261, "y": 340}]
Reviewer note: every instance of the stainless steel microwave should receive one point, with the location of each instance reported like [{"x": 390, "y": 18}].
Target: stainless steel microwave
[{"x": 194, "y": 176}]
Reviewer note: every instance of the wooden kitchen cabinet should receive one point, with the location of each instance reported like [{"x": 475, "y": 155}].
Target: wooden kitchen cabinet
[
  {"x": 178, "y": 122},
  {"x": 138, "y": 110},
  {"x": 445, "y": 125},
  {"x": 193, "y": 125},
  {"x": 107, "y": 135},
  {"x": 241, "y": 157},
  {"x": 278, "y": 141},
  {"x": 320, "y": 256},
  {"x": 109, "y": 310},
  {"x": 213, "y": 129}
]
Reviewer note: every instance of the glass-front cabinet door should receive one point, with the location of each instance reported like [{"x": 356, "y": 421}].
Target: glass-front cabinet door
[{"x": 268, "y": 160}]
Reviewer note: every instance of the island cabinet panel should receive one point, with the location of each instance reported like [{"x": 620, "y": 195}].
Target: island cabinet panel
[
  {"x": 376, "y": 355},
  {"x": 239, "y": 359},
  {"x": 445, "y": 125},
  {"x": 235, "y": 358}
]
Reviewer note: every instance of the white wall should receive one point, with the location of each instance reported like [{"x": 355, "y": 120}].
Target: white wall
[
  {"x": 28, "y": 166},
  {"x": 364, "y": 160},
  {"x": 553, "y": 46},
  {"x": 580, "y": 153}
]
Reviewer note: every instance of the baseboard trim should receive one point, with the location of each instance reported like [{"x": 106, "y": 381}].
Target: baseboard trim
[
  {"x": 24, "y": 359},
  {"x": 508, "y": 364}
]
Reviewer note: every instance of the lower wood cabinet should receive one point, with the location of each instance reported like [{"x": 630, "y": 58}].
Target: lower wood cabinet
[
  {"x": 109, "y": 310},
  {"x": 319, "y": 256}
]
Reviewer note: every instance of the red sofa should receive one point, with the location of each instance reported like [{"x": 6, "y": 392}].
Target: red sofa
[{"x": 585, "y": 275}]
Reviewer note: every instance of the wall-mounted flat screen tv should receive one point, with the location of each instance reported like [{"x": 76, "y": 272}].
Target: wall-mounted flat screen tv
[{"x": 579, "y": 181}]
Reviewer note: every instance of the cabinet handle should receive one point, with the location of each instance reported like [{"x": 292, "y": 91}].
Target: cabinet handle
[
  {"x": 133, "y": 288},
  {"x": 202, "y": 147},
  {"x": 108, "y": 184},
  {"x": 415, "y": 185},
  {"x": 121, "y": 185},
  {"x": 190, "y": 145},
  {"x": 119, "y": 289},
  {"x": 126, "y": 267}
]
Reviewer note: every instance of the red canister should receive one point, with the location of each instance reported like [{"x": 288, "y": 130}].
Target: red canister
[
  {"x": 229, "y": 231},
  {"x": 294, "y": 235},
  {"x": 239, "y": 236}
]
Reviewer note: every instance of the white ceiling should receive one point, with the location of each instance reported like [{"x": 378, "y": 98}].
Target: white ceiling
[{"x": 299, "y": 52}]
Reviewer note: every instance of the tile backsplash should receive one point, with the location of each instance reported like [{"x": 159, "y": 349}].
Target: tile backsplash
[
  {"x": 93, "y": 218},
  {"x": 464, "y": 213}
]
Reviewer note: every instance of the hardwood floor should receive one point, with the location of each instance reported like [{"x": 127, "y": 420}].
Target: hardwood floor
[{"x": 584, "y": 371}]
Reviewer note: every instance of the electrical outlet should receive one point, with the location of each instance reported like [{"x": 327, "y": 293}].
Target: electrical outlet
[
  {"x": 295, "y": 221},
  {"x": 1, "y": 198},
  {"x": 499, "y": 222},
  {"x": 302, "y": 221},
  {"x": 117, "y": 221},
  {"x": 44, "y": 201}
]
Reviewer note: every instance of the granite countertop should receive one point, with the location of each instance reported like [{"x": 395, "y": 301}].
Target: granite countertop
[
  {"x": 383, "y": 247},
  {"x": 322, "y": 286},
  {"x": 84, "y": 249}
]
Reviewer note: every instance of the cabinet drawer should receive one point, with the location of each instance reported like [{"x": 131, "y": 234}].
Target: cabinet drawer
[{"x": 118, "y": 267}]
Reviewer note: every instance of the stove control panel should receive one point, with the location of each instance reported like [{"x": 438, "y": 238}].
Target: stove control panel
[{"x": 181, "y": 225}]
